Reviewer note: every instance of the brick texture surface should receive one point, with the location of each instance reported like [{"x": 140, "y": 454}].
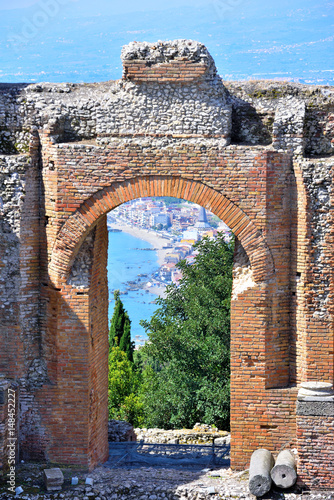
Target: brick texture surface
[
  {"x": 247, "y": 188},
  {"x": 315, "y": 438},
  {"x": 180, "y": 71}
]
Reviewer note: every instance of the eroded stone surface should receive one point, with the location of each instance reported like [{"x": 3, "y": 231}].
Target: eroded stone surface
[
  {"x": 121, "y": 431},
  {"x": 200, "y": 434}
]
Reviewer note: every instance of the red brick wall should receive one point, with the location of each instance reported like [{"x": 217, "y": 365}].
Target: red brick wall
[
  {"x": 312, "y": 336},
  {"x": 274, "y": 344},
  {"x": 248, "y": 188},
  {"x": 282, "y": 328},
  {"x": 99, "y": 348},
  {"x": 64, "y": 403},
  {"x": 261, "y": 417},
  {"x": 180, "y": 70},
  {"x": 74, "y": 406}
]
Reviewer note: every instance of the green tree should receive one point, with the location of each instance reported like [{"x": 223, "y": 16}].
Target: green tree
[
  {"x": 190, "y": 337},
  {"x": 123, "y": 384},
  {"x": 168, "y": 200},
  {"x": 120, "y": 328}
]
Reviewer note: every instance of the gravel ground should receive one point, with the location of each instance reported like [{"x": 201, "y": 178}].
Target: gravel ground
[{"x": 145, "y": 483}]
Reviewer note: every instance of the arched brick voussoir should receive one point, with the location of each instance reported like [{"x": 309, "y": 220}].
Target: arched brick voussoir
[{"x": 78, "y": 225}]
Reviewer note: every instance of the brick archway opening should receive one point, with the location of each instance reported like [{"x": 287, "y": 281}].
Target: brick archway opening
[
  {"x": 78, "y": 326},
  {"x": 76, "y": 228}
]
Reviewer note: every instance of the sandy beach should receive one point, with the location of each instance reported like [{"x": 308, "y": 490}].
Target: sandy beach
[{"x": 150, "y": 236}]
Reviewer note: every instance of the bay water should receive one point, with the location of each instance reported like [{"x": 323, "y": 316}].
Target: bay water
[{"x": 127, "y": 258}]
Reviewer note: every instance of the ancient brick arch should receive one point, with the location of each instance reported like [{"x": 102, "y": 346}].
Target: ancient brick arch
[
  {"x": 232, "y": 184},
  {"x": 76, "y": 228}
]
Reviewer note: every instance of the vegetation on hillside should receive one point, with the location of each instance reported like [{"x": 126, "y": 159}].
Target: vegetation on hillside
[
  {"x": 120, "y": 329},
  {"x": 123, "y": 388},
  {"x": 181, "y": 376}
]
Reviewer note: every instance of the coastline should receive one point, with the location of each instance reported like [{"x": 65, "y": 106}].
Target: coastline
[{"x": 144, "y": 234}]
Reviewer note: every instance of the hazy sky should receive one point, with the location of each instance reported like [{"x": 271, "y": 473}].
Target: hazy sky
[
  {"x": 16, "y": 4},
  {"x": 116, "y": 5}
]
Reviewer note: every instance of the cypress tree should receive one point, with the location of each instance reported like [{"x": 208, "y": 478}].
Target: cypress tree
[
  {"x": 120, "y": 329},
  {"x": 125, "y": 343}
]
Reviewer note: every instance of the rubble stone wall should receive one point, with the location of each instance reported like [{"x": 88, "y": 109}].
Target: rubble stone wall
[
  {"x": 200, "y": 434},
  {"x": 9, "y": 425}
]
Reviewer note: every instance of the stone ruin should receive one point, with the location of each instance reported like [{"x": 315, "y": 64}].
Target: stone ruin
[{"x": 258, "y": 154}]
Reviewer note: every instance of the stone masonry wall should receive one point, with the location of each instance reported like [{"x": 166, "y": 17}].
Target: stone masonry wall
[
  {"x": 283, "y": 113},
  {"x": 9, "y": 425},
  {"x": 19, "y": 262},
  {"x": 12, "y": 182},
  {"x": 315, "y": 434},
  {"x": 195, "y": 107},
  {"x": 258, "y": 112},
  {"x": 257, "y": 154},
  {"x": 200, "y": 434}
]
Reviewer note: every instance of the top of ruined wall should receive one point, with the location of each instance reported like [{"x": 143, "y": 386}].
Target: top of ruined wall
[
  {"x": 192, "y": 102},
  {"x": 177, "y": 61},
  {"x": 167, "y": 52},
  {"x": 290, "y": 116},
  {"x": 172, "y": 90}
]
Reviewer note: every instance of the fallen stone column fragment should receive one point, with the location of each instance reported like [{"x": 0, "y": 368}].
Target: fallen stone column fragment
[
  {"x": 284, "y": 473},
  {"x": 261, "y": 464}
]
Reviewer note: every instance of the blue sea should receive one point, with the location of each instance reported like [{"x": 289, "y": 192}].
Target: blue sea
[
  {"x": 125, "y": 262},
  {"x": 81, "y": 41}
]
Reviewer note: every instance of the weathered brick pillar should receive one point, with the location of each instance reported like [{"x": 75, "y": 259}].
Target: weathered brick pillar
[
  {"x": 8, "y": 425},
  {"x": 76, "y": 414},
  {"x": 315, "y": 434}
]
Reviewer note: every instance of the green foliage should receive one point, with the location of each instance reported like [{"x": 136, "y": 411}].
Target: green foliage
[
  {"x": 214, "y": 221},
  {"x": 189, "y": 339},
  {"x": 120, "y": 328},
  {"x": 169, "y": 200},
  {"x": 182, "y": 375},
  {"x": 132, "y": 410},
  {"x": 123, "y": 384},
  {"x": 125, "y": 343},
  {"x": 142, "y": 359}
]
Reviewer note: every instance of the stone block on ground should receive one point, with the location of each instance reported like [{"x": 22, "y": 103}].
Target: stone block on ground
[
  {"x": 53, "y": 479},
  {"x": 223, "y": 440}
]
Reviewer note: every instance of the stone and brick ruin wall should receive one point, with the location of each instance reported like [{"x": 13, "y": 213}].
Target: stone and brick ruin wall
[
  {"x": 257, "y": 154},
  {"x": 315, "y": 429}
]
